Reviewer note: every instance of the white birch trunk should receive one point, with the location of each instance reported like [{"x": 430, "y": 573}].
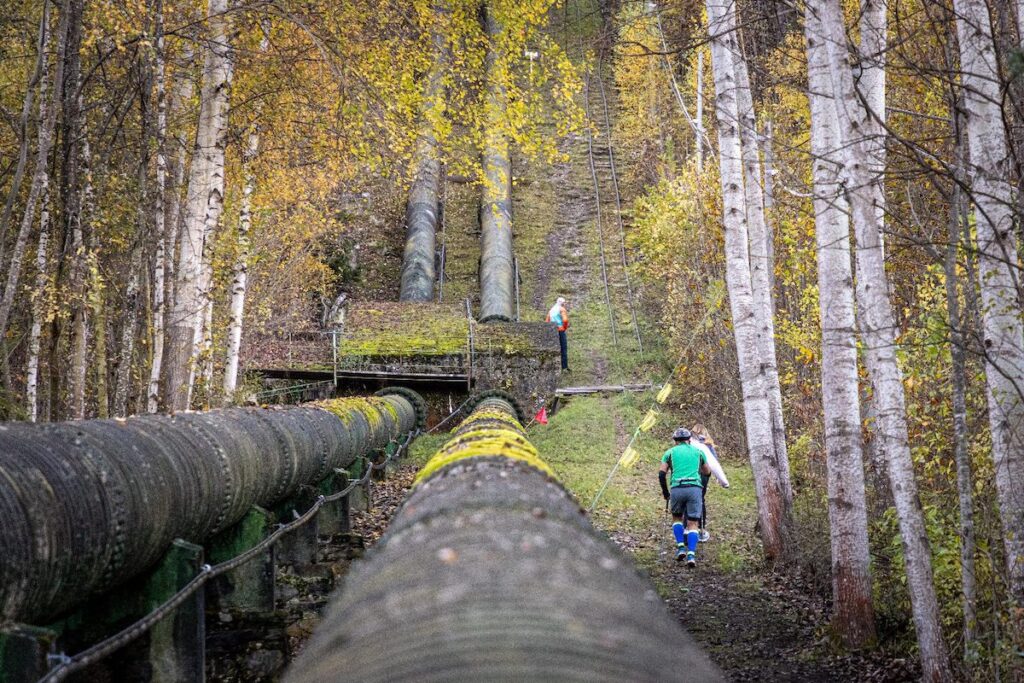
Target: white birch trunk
[
  {"x": 204, "y": 206},
  {"x": 878, "y": 332},
  {"x": 39, "y": 306},
  {"x": 159, "y": 217},
  {"x": 764, "y": 313},
  {"x": 241, "y": 272},
  {"x": 772, "y": 510},
  {"x": 873, "y": 45},
  {"x": 181, "y": 95},
  {"x": 998, "y": 270},
  {"x": 853, "y": 610}
]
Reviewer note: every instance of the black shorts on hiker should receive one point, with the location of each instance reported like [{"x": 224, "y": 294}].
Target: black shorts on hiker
[{"x": 686, "y": 502}]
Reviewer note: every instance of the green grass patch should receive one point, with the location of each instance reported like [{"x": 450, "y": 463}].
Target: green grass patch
[{"x": 424, "y": 447}]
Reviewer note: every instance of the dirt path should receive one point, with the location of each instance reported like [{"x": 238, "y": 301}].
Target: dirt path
[
  {"x": 764, "y": 628},
  {"x": 565, "y": 264}
]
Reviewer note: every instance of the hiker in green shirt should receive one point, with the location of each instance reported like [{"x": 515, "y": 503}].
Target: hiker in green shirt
[{"x": 682, "y": 465}]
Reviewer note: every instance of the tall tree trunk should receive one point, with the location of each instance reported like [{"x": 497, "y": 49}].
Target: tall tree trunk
[
  {"x": 764, "y": 313},
  {"x": 873, "y": 24},
  {"x": 878, "y": 332},
  {"x": 39, "y": 306},
  {"x": 49, "y": 104},
  {"x": 964, "y": 480},
  {"x": 68, "y": 265},
  {"x": 78, "y": 298},
  {"x": 241, "y": 272},
  {"x": 203, "y": 210},
  {"x": 122, "y": 389},
  {"x": 130, "y": 317},
  {"x": 181, "y": 95},
  {"x": 773, "y": 514},
  {"x": 96, "y": 299},
  {"x": 853, "y": 609},
  {"x": 997, "y": 273},
  {"x": 159, "y": 222}
]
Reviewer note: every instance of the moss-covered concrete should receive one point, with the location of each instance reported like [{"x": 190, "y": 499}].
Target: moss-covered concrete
[{"x": 390, "y": 329}]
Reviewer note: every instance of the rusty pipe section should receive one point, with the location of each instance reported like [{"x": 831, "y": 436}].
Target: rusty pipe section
[
  {"x": 490, "y": 571},
  {"x": 497, "y": 269},
  {"x": 87, "y": 505}
]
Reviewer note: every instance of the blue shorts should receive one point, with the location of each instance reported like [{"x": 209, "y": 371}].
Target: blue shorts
[{"x": 686, "y": 502}]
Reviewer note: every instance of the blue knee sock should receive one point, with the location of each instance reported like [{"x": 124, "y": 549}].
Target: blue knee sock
[
  {"x": 679, "y": 532},
  {"x": 691, "y": 540}
]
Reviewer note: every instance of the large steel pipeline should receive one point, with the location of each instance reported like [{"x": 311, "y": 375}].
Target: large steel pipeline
[
  {"x": 87, "y": 505},
  {"x": 490, "y": 571},
  {"x": 497, "y": 269},
  {"x": 421, "y": 212}
]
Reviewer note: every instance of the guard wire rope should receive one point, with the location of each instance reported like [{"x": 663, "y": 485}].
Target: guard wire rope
[
  {"x": 69, "y": 665},
  {"x": 636, "y": 432},
  {"x": 618, "y": 205}
]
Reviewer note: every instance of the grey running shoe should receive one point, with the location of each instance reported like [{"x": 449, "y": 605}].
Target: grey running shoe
[{"x": 704, "y": 536}]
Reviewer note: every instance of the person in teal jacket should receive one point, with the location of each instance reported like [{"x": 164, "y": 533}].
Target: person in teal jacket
[{"x": 680, "y": 479}]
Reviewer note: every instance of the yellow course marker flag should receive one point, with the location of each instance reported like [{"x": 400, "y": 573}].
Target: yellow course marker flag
[
  {"x": 664, "y": 393},
  {"x": 649, "y": 420},
  {"x": 629, "y": 457}
]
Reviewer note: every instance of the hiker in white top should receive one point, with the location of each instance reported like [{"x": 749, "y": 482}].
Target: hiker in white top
[
  {"x": 703, "y": 441},
  {"x": 560, "y": 317}
]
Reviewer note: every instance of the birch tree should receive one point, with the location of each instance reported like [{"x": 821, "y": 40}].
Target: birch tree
[
  {"x": 39, "y": 306},
  {"x": 877, "y": 326},
  {"x": 159, "y": 215},
  {"x": 202, "y": 212},
  {"x": 853, "y": 610},
  {"x": 873, "y": 25},
  {"x": 241, "y": 270},
  {"x": 998, "y": 273},
  {"x": 760, "y": 280},
  {"x": 773, "y": 513}
]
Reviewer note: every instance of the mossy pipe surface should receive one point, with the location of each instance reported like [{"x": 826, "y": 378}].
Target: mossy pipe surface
[
  {"x": 87, "y": 505},
  {"x": 422, "y": 210},
  {"x": 491, "y": 572},
  {"x": 497, "y": 269}
]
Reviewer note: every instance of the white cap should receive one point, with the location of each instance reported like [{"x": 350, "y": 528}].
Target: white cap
[{"x": 560, "y": 300}]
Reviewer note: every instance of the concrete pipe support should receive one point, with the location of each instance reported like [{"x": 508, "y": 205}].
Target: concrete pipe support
[
  {"x": 497, "y": 270},
  {"x": 491, "y": 572},
  {"x": 87, "y": 505}
]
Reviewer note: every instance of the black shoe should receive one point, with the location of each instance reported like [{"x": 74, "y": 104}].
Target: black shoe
[{"x": 566, "y": 370}]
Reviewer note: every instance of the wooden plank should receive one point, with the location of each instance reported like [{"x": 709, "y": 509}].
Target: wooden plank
[{"x": 601, "y": 389}]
